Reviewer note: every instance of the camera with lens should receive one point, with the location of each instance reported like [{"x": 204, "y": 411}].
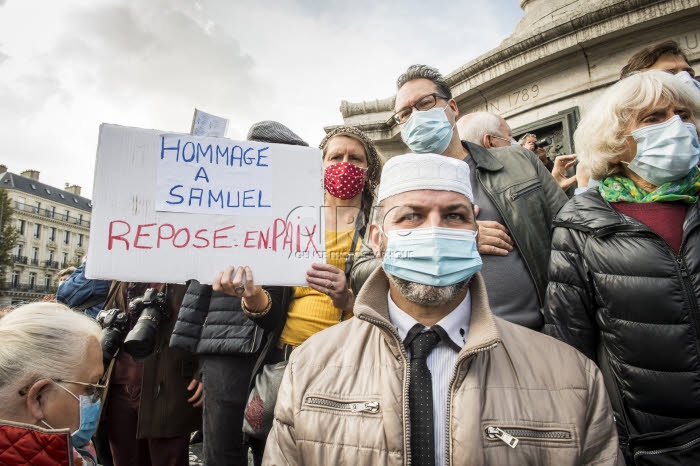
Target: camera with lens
[
  {"x": 151, "y": 310},
  {"x": 115, "y": 326},
  {"x": 544, "y": 142}
]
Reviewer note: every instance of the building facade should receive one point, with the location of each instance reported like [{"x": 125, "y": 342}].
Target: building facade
[
  {"x": 544, "y": 77},
  {"x": 54, "y": 230}
]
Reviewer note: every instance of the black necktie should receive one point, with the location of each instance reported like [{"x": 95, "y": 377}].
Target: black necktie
[{"x": 420, "y": 396}]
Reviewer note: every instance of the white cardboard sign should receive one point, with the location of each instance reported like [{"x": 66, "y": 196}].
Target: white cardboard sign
[
  {"x": 173, "y": 207},
  {"x": 206, "y": 124}
]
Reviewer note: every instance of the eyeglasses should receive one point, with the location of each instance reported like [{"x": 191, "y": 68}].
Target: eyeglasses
[
  {"x": 502, "y": 139},
  {"x": 424, "y": 103},
  {"x": 95, "y": 393}
]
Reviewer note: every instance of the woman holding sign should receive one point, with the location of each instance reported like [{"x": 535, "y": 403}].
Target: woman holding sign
[{"x": 352, "y": 167}]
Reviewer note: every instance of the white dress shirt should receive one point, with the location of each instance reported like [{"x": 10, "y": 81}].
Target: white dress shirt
[{"x": 441, "y": 361}]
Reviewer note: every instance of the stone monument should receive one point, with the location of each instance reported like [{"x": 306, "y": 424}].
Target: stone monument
[{"x": 542, "y": 78}]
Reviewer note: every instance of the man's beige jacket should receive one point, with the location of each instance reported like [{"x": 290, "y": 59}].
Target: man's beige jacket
[{"x": 517, "y": 397}]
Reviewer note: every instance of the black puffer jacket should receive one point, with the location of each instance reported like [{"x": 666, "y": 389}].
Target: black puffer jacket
[
  {"x": 621, "y": 295},
  {"x": 214, "y": 323}
]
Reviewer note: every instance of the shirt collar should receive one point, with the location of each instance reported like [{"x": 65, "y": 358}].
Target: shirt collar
[{"x": 455, "y": 324}]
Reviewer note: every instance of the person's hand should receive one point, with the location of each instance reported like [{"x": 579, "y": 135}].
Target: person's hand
[
  {"x": 239, "y": 282},
  {"x": 196, "y": 399},
  {"x": 49, "y": 298},
  {"x": 529, "y": 146},
  {"x": 493, "y": 237},
  {"x": 330, "y": 280},
  {"x": 561, "y": 165}
]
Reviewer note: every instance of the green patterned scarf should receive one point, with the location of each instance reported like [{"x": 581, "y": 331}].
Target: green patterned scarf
[{"x": 620, "y": 189}]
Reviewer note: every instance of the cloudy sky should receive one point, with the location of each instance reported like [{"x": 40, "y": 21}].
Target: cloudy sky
[{"x": 67, "y": 66}]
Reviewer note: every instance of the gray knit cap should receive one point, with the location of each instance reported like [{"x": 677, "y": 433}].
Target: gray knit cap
[{"x": 274, "y": 132}]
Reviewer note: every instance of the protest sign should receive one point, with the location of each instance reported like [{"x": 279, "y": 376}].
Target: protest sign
[
  {"x": 206, "y": 124},
  {"x": 172, "y": 207}
]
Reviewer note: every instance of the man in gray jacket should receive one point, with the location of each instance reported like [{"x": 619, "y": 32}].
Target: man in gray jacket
[
  {"x": 425, "y": 374},
  {"x": 515, "y": 195}
]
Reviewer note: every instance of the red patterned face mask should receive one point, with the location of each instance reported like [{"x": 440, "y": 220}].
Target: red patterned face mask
[{"x": 344, "y": 180}]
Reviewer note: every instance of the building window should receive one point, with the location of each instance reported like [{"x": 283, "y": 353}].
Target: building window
[
  {"x": 15, "y": 278},
  {"x": 52, "y": 234},
  {"x": 66, "y": 237},
  {"x": 32, "y": 280},
  {"x": 49, "y": 262},
  {"x": 47, "y": 281},
  {"x": 52, "y": 211},
  {"x": 80, "y": 240},
  {"x": 80, "y": 219},
  {"x": 18, "y": 251},
  {"x": 67, "y": 215},
  {"x": 37, "y": 206},
  {"x": 37, "y": 230},
  {"x": 78, "y": 258},
  {"x": 35, "y": 256},
  {"x": 64, "y": 260},
  {"x": 20, "y": 226},
  {"x": 20, "y": 202}
]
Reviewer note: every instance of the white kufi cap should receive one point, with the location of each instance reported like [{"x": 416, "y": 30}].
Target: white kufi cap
[{"x": 413, "y": 172}]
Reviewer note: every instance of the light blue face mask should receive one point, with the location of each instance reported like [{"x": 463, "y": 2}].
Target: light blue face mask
[
  {"x": 693, "y": 85},
  {"x": 427, "y": 132},
  {"x": 89, "y": 416},
  {"x": 432, "y": 256},
  {"x": 665, "y": 151}
]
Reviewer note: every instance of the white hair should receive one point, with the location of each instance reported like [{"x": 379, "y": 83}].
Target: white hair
[
  {"x": 41, "y": 340},
  {"x": 474, "y": 126},
  {"x": 601, "y": 135}
]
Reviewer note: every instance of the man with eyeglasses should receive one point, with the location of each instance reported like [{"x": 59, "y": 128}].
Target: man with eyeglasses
[{"x": 515, "y": 197}]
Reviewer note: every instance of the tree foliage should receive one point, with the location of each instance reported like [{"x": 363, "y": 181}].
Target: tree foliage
[{"x": 8, "y": 233}]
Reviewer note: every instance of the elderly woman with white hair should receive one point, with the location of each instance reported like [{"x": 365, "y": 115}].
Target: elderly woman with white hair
[
  {"x": 625, "y": 265},
  {"x": 50, "y": 371}
]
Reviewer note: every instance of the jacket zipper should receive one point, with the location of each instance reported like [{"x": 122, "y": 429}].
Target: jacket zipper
[
  {"x": 352, "y": 406},
  {"x": 511, "y": 436},
  {"x": 406, "y": 378},
  {"x": 522, "y": 192},
  {"x": 540, "y": 293},
  {"x": 665, "y": 450},
  {"x": 453, "y": 380}
]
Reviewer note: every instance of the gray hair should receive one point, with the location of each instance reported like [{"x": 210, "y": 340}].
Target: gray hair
[
  {"x": 425, "y": 72},
  {"x": 601, "y": 135},
  {"x": 41, "y": 340},
  {"x": 474, "y": 126},
  {"x": 521, "y": 141}
]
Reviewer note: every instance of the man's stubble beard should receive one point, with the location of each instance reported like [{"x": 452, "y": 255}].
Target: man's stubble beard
[{"x": 428, "y": 295}]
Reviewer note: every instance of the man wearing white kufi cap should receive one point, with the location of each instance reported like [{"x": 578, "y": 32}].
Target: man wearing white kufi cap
[{"x": 425, "y": 373}]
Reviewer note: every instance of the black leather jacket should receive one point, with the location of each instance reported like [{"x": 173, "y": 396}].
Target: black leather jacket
[
  {"x": 622, "y": 296},
  {"x": 525, "y": 194}
]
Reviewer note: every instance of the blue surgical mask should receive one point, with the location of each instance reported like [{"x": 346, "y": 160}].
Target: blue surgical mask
[
  {"x": 693, "y": 85},
  {"x": 427, "y": 132},
  {"x": 432, "y": 256},
  {"x": 89, "y": 416},
  {"x": 514, "y": 143},
  {"x": 665, "y": 151}
]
